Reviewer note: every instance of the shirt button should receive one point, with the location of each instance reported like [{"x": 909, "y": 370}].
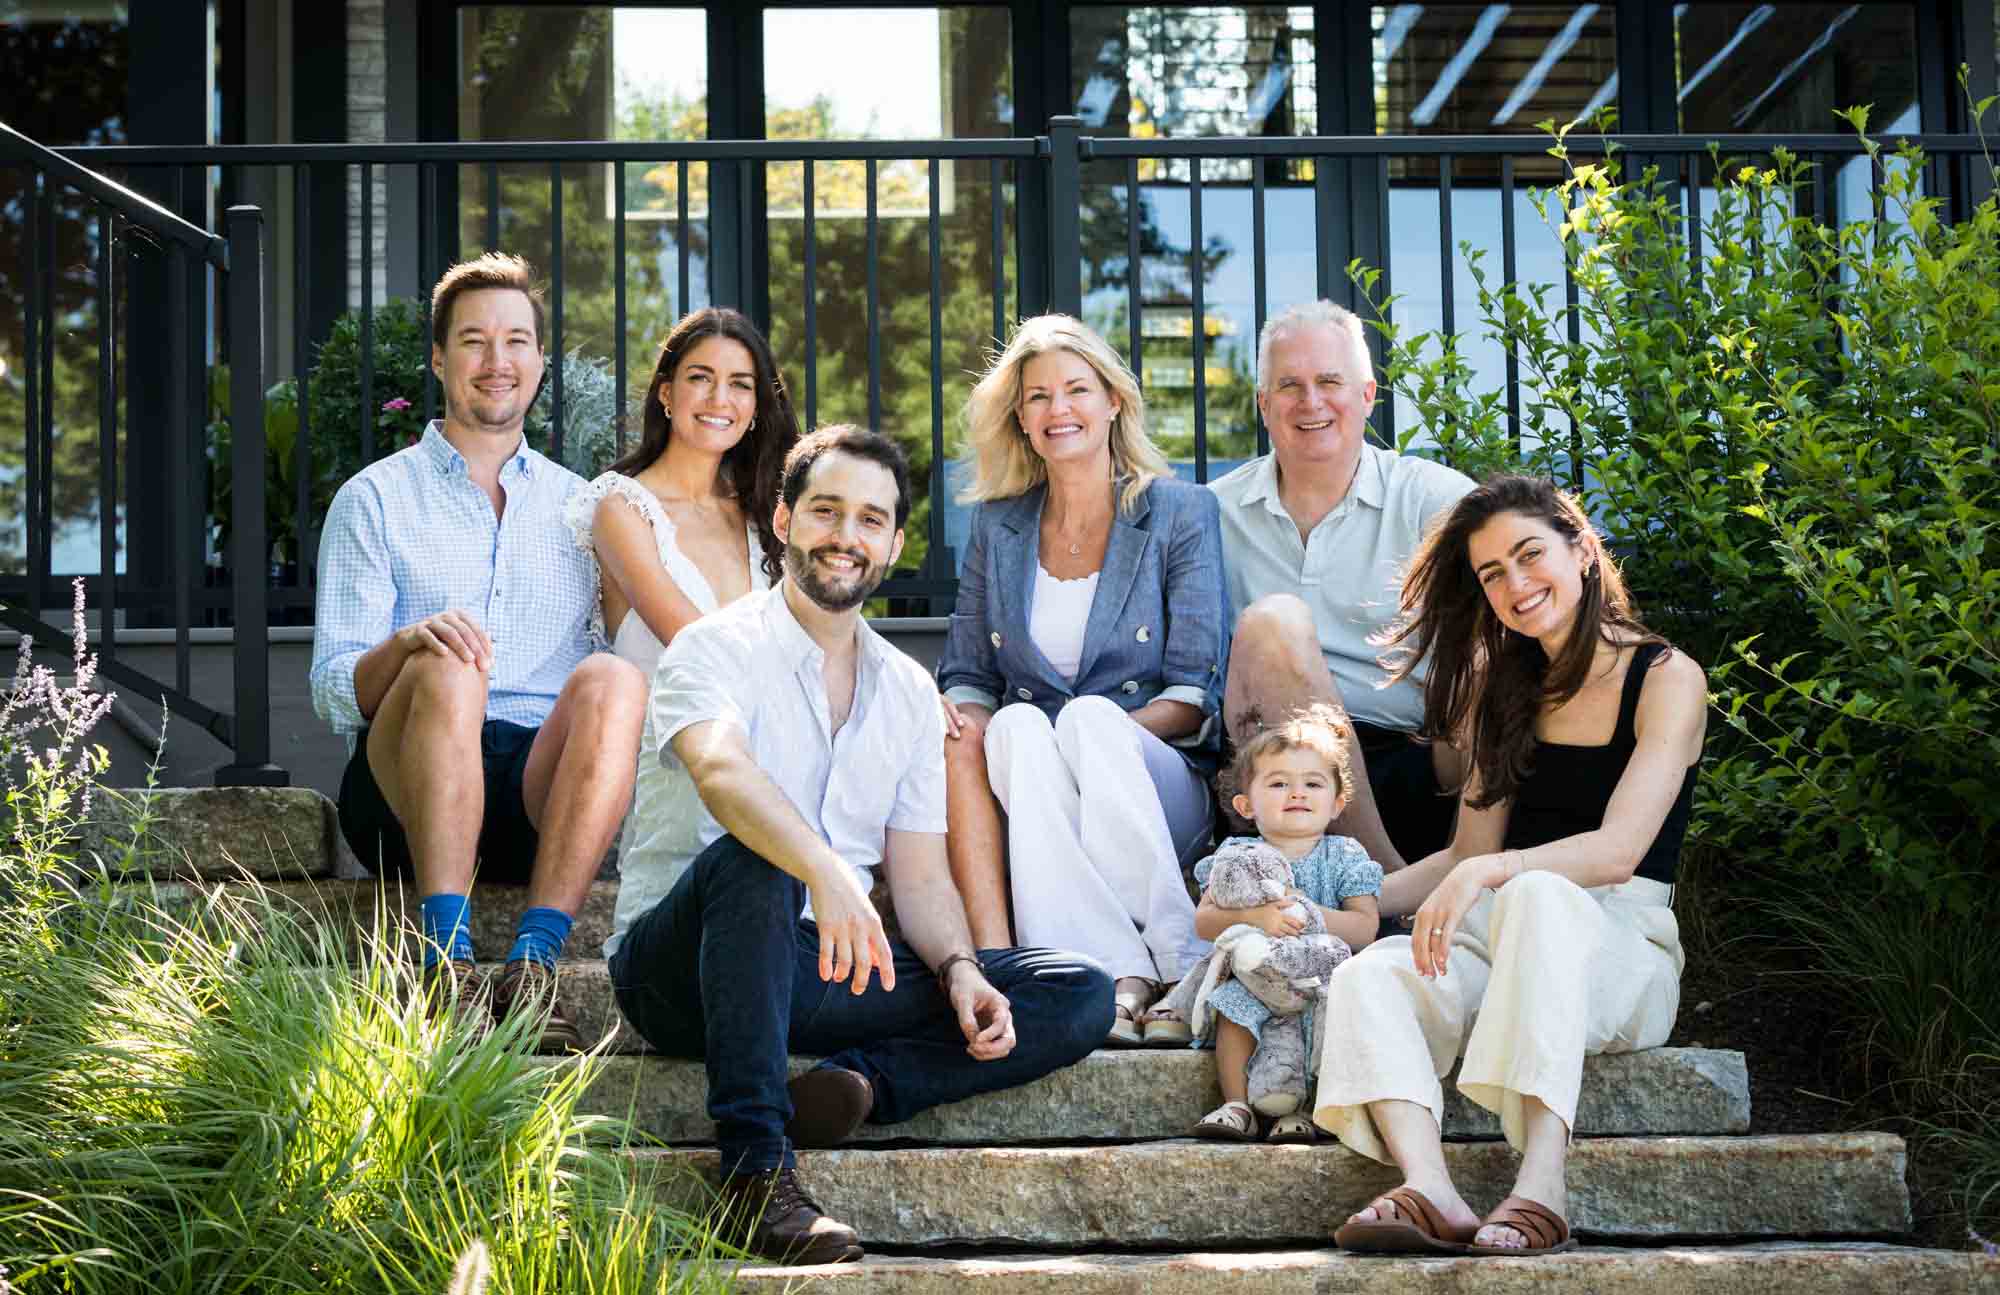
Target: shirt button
[
  {"x": 1024, "y": 694},
  {"x": 1130, "y": 685}
]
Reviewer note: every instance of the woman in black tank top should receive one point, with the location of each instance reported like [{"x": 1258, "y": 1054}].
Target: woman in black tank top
[{"x": 1543, "y": 931}]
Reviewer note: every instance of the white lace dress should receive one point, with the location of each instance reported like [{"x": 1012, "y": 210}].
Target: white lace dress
[{"x": 657, "y": 801}]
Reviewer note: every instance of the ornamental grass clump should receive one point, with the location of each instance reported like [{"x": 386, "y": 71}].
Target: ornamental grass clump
[{"x": 214, "y": 1098}]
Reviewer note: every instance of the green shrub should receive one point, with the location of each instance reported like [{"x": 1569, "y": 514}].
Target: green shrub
[{"x": 1791, "y": 446}]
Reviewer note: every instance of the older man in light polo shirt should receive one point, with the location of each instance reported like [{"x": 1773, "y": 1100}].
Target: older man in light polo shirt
[
  {"x": 818, "y": 753},
  {"x": 1314, "y": 539}
]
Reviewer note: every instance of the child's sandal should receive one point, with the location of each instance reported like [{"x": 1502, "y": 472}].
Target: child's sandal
[{"x": 1229, "y": 1122}]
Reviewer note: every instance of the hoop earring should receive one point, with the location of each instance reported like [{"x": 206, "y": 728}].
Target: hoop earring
[{"x": 751, "y": 426}]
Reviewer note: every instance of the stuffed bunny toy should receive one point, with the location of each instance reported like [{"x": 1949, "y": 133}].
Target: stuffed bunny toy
[{"x": 1281, "y": 971}]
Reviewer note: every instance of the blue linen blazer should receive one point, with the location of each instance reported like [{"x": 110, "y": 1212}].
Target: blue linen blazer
[{"x": 1157, "y": 624}]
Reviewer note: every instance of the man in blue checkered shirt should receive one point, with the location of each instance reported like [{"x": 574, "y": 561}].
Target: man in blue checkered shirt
[{"x": 452, "y": 648}]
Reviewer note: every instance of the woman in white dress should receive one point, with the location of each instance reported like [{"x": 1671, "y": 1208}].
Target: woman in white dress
[{"x": 682, "y": 525}]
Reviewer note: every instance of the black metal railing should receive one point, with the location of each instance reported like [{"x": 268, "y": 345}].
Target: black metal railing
[
  {"x": 1033, "y": 225},
  {"x": 118, "y": 220}
]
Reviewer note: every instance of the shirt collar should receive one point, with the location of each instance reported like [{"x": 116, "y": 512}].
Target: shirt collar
[
  {"x": 448, "y": 460},
  {"x": 1370, "y": 486},
  {"x": 799, "y": 646}
]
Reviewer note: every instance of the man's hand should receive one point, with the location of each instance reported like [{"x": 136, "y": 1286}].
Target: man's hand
[
  {"x": 984, "y": 1014},
  {"x": 449, "y": 633},
  {"x": 851, "y": 938}
]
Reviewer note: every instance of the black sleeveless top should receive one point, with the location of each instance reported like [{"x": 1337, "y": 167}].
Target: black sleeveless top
[{"x": 1569, "y": 787}]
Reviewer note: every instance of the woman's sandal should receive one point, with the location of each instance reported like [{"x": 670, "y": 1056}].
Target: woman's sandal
[
  {"x": 1126, "y": 1007},
  {"x": 1541, "y": 1227},
  {"x": 1161, "y": 1028},
  {"x": 1417, "y": 1229},
  {"x": 1293, "y": 1130},
  {"x": 1229, "y": 1122}
]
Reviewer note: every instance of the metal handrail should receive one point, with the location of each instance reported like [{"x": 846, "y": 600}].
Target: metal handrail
[
  {"x": 704, "y": 150},
  {"x": 134, "y": 207}
]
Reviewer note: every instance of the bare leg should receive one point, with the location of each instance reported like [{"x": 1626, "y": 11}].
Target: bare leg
[
  {"x": 1545, "y": 1145},
  {"x": 578, "y": 780},
  {"x": 1233, "y": 1046},
  {"x": 1275, "y": 668},
  {"x": 1414, "y": 1143},
  {"x": 423, "y": 748},
  {"x": 975, "y": 840}
]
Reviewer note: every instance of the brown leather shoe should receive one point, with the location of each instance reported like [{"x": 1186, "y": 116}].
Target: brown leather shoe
[
  {"x": 528, "y": 986},
  {"x": 457, "y": 988},
  {"x": 828, "y": 1105},
  {"x": 782, "y": 1223}
]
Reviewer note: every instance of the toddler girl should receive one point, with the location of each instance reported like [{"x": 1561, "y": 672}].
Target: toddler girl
[{"x": 1291, "y": 781}]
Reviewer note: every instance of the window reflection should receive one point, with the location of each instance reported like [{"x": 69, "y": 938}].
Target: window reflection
[{"x": 1766, "y": 69}]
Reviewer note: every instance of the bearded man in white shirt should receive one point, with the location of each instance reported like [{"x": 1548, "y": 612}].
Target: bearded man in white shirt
[{"x": 817, "y": 749}]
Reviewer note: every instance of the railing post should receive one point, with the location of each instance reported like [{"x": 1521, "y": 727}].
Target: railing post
[
  {"x": 1065, "y": 229},
  {"x": 249, "y": 546}
]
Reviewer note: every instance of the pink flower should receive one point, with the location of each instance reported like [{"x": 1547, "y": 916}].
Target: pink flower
[{"x": 396, "y": 406}]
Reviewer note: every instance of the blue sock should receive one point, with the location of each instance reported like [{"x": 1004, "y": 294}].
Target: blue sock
[
  {"x": 541, "y": 936},
  {"x": 447, "y": 929}
]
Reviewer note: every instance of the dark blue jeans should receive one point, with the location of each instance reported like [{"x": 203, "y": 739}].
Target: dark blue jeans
[{"x": 724, "y": 969}]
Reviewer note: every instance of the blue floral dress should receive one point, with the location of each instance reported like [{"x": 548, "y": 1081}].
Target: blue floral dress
[{"x": 1337, "y": 870}]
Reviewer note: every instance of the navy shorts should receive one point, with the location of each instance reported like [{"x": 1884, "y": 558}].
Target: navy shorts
[
  {"x": 1416, "y": 811},
  {"x": 507, "y": 840}
]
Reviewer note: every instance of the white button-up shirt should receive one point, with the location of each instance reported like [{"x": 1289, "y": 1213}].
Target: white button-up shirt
[
  {"x": 413, "y": 535},
  {"x": 1349, "y": 569},
  {"x": 752, "y": 665}
]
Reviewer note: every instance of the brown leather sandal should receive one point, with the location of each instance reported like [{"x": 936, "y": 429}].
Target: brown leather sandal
[
  {"x": 1541, "y": 1227},
  {"x": 1417, "y": 1229}
]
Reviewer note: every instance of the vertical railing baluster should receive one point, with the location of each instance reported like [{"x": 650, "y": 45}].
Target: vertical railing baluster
[
  {"x": 367, "y": 411},
  {"x": 937, "y": 560},
  {"x": 251, "y": 663},
  {"x": 1065, "y": 226},
  {"x": 492, "y": 206},
  {"x": 302, "y": 518},
  {"x": 1197, "y": 277},
  {"x": 428, "y": 269},
  {"x": 1134, "y": 334},
  {"x": 811, "y": 233},
  {"x": 1694, "y": 220},
  {"x": 1877, "y": 201},
  {"x": 999, "y": 258},
  {"x": 1447, "y": 279},
  {"x": 1326, "y": 202},
  {"x": 1573, "y": 330},
  {"x": 1507, "y": 280},
  {"x": 44, "y": 510},
  {"x": 555, "y": 360},
  {"x": 681, "y": 304},
  {"x": 1385, "y": 404},
  {"x": 107, "y": 435},
  {"x": 874, "y": 306},
  {"x": 618, "y": 301},
  {"x": 1260, "y": 264},
  {"x": 31, "y": 369},
  {"x": 183, "y": 535}
]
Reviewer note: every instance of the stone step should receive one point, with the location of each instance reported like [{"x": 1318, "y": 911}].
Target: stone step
[
  {"x": 1845, "y": 1268},
  {"x": 1135, "y": 1094},
  {"x": 219, "y": 833},
  {"x": 1190, "y": 1193}
]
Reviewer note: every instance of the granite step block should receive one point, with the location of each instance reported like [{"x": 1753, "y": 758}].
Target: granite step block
[{"x": 1189, "y": 1193}]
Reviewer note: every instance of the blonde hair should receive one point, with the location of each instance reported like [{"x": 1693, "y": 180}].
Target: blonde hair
[
  {"x": 1004, "y": 464},
  {"x": 1321, "y": 729}
]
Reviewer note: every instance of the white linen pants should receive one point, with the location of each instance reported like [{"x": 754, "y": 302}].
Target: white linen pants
[
  {"x": 1099, "y": 815},
  {"x": 1542, "y": 972}
]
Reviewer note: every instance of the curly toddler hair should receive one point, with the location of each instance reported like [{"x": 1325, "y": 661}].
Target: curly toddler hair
[{"x": 1322, "y": 729}]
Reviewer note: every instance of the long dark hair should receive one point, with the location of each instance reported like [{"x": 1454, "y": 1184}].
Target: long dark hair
[
  {"x": 752, "y": 465},
  {"x": 1486, "y": 683}
]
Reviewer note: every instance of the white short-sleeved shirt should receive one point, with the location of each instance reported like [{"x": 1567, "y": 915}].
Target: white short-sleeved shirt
[
  {"x": 1349, "y": 570},
  {"x": 753, "y": 666}
]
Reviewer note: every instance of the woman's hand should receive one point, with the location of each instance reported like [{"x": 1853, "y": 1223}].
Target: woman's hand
[
  {"x": 1439, "y": 916},
  {"x": 960, "y": 720}
]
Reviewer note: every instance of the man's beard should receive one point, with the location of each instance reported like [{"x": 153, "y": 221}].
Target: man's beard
[{"x": 827, "y": 594}]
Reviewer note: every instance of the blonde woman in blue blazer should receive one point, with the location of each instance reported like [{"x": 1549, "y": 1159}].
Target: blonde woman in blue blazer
[{"x": 1083, "y": 672}]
